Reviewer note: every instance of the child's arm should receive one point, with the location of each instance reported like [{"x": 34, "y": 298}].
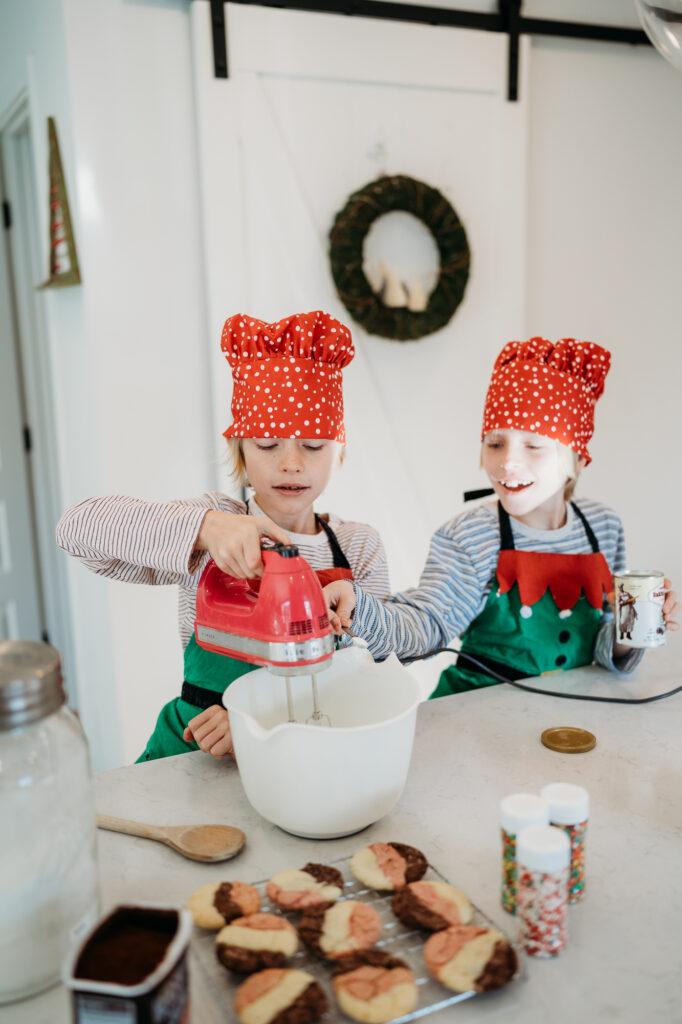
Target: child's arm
[
  {"x": 211, "y": 731},
  {"x": 450, "y": 594},
  {"x": 150, "y": 542},
  {"x": 365, "y": 552}
]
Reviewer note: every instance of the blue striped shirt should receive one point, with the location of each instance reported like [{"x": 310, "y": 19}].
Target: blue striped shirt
[{"x": 460, "y": 571}]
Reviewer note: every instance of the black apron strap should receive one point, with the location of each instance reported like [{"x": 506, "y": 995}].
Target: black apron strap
[
  {"x": 506, "y": 535},
  {"x": 594, "y": 543},
  {"x": 340, "y": 560},
  {"x": 200, "y": 696}
]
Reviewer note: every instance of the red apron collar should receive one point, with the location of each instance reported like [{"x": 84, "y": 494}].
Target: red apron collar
[{"x": 566, "y": 576}]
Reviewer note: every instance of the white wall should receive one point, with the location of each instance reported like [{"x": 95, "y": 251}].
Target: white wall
[
  {"x": 130, "y": 347},
  {"x": 605, "y": 263}
]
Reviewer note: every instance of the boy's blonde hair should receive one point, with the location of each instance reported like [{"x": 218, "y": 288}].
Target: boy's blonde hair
[{"x": 236, "y": 465}]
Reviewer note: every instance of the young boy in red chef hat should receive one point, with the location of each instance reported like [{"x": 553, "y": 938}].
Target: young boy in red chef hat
[
  {"x": 287, "y": 435},
  {"x": 523, "y": 580}
]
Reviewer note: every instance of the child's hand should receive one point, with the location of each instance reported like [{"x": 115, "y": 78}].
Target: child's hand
[
  {"x": 340, "y": 598},
  {"x": 211, "y": 730},
  {"x": 233, "y": 541},
  {"x": 670, "y": 606}
]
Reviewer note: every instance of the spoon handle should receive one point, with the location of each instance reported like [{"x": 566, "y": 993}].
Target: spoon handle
[{"x": 131, "y": 828}]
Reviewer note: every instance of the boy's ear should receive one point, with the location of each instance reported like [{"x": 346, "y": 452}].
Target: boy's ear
[{"x": 582, "y": 462}]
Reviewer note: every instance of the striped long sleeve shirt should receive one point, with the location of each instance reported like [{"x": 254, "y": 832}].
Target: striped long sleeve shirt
[
  {"x": 137, "y": 541},
  {"x": 460, "y": 571}
]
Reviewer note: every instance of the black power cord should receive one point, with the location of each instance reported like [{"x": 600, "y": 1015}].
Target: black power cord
[{"x": 534, "y": 689}]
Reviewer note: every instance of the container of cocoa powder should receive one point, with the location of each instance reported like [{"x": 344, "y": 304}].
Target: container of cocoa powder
[{"x": 132, "y": 967}]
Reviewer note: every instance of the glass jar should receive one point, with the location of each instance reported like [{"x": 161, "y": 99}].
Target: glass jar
[{"x": 48, "y": 869}]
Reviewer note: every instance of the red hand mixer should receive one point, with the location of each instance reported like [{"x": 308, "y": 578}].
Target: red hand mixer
[{"x": 282, "y": 624}]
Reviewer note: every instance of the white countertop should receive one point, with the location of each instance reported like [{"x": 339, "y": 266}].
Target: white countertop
[{"x": 624, "y": 956}]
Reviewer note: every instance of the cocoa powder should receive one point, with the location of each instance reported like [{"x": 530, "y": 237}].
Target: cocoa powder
[{"x": 128, "y": 946}]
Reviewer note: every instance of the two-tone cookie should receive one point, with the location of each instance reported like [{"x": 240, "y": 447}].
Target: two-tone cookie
[
  {"x": 374, "y": 987},
  {"x": 217, "y": 903},
  {"x": 255, "y": 942},
  {"x": 431, "y": 905},
  {"x": 313, "y": 884},
  {"x": 280, "y": 995},
  {"x": 388, "y": 866},
  {"x": 334, "y": 930},
  {"x": 467, "y": 958}
]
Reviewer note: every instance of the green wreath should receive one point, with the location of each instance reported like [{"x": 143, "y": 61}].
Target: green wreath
[{"x": 346, "y": 240}]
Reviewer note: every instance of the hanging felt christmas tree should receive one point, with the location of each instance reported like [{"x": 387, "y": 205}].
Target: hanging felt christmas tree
[{"x": 64, "y": 268}]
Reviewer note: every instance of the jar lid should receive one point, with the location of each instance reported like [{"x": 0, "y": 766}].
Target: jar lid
[
  {"x": 568, "y": 804},
  {"x": 521, "y": 809},
  {"x": 30, "y": 682},
  {"x": 542, "y": 848}
]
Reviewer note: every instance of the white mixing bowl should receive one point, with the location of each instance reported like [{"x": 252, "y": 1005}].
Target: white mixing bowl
[{"x": 319, "y": 782}]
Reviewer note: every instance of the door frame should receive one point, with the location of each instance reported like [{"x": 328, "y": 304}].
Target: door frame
[{"x": 24, "y": 267}]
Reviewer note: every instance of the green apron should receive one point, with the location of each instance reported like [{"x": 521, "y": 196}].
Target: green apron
[
  {"x": 207, "y": 676},
  {"x": 542, "y": 615}
]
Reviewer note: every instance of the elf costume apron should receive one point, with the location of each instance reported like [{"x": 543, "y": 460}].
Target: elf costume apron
[
  {"x": 207, "y": 675},
  {"x": 542, "y": 614}
]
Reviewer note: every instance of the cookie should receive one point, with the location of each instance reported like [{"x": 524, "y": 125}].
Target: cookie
[
  {"x": 252, "y": 943},
  {"x": 431, "y": 905},
  {"x": 281, "y": 995},
  {"x": 336, "y": 929},
  {"x": 217, "y": 903},
  {"x": 465, "y": 958},
  {"x": 313, "y": 884},
  {"x": 374, "y": 987},
  {"x": 388, "y": 865}
]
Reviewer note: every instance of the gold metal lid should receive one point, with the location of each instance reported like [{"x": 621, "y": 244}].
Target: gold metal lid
[{"x": 568, "y": 740}]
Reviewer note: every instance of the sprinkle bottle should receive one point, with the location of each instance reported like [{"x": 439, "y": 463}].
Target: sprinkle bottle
[
  {"x": 517, "y": 811},
  {"x": 569, "y": 809},
  {"x": 543, "y": 854}
]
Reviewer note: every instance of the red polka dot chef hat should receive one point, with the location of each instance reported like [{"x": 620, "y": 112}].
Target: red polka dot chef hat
[
  {"x": 287, "y": 375},
  {"x": 548, "y": 389}
]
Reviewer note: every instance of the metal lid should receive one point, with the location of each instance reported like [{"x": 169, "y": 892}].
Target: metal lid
[{"x": 30, "y": 682}]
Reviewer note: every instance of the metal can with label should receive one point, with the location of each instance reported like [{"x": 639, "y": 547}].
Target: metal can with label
[{"x": 639, "y": 597}]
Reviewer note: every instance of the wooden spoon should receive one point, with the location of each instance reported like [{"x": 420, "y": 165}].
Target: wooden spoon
[{"x": 198, "y": 842}]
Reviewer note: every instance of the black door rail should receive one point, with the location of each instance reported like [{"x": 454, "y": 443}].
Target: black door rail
[{"x": 508, "y": 19}]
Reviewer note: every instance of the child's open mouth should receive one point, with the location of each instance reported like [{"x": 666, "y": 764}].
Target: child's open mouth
[
  {"x": 514, "y": 486},
  {"x": 290, "y": 488}
]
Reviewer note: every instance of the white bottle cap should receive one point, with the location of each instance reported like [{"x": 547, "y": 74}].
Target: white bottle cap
[
  {"x": 542, "y": 848},
  {"x": 568, "y": 804},
  {"x": 521, "y": 809}
]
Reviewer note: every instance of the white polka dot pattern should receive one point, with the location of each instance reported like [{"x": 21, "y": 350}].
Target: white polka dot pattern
[
  {"x": 549, "y": 389},
  {"x": 287, "y": 375}
]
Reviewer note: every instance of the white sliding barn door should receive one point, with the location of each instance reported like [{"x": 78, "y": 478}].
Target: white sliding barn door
[{"x": 316, "y": 107}]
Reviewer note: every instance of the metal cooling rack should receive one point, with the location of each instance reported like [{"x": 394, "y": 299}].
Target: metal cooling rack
[{"x": 396, "y": 939}]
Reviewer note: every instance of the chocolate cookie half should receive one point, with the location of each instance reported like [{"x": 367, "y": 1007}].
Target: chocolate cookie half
[
  {"x": 252, "y": 943},
  {"x": 217, "y": 903},
  {"x": 334, "y": 930},
  {"x": 374, "y": 987},
  {"x": 280, "y": 996},
  {"x": 313, "y": 884},
  {"x": 466, "y": 958},
  {"x": 431, "y": 905},
  {"x": 388, "y": 866}
]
